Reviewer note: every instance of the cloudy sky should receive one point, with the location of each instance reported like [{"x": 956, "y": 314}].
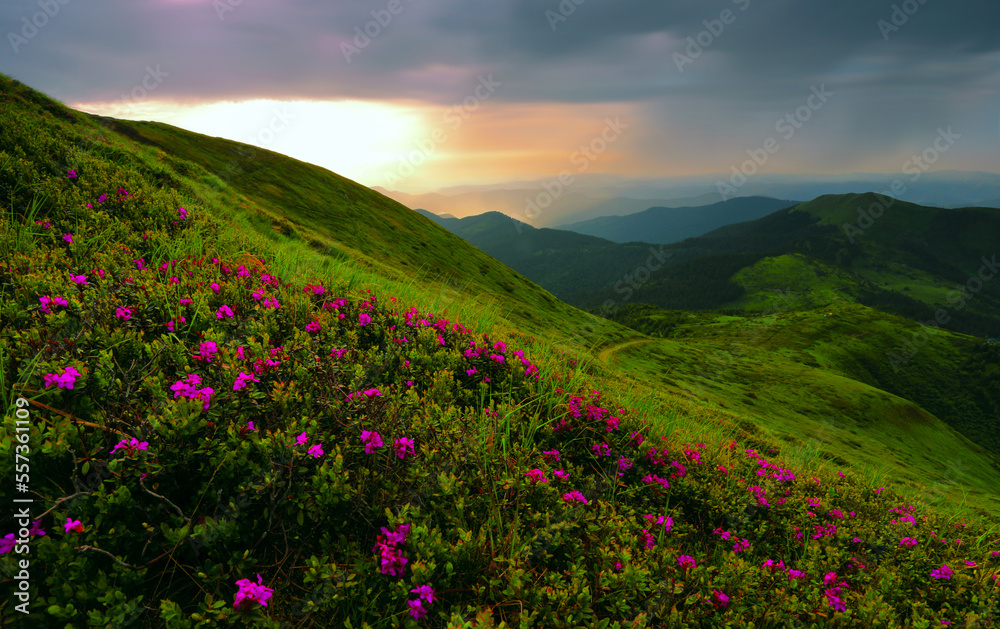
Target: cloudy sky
[{"x": 421, "y": 94}]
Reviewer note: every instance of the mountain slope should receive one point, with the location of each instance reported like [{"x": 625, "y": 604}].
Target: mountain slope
[
  {"x": 667, "y": 225},
  {"x": 219, "y": 412},
  {"x": 563, "y": 262}
]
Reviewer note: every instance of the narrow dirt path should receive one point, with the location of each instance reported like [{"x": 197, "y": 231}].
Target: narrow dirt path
[{"x": 605, "y": 354}]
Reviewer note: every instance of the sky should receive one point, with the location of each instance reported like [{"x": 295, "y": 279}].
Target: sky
[{"x": 418, "y": 95}]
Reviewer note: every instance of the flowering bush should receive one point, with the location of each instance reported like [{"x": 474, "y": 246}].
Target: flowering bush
[{"x": 206, "y": 419}]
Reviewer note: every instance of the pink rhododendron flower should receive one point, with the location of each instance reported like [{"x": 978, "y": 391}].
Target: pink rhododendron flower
[
  {"x": 403, "y": 446},
  {"x": 686, "y": 561},
  {"x": 183, "y": 213},
  {"x": 364, "y": 319},
  {"x": 7, "y": 543},
  {"x": 313, "y": 326},
  {"x": 79, "y": 280},
  {"x": 552, "y": 455},
  {"x": 302, "y": 438},
  {"x": 574, "y": 495},
  {"x": 425, "y": 592},
  {"x": 224, "y": 312},
  {"x": 250, "y": 593},
  {"x": 601, "y": 449},
  {"x": 719, "y": 599},
  {"x": 944, "y": 572},
  {"x": 73, "y": 525},
  {"x": 65, "y": 380},
  {"x": 215, "y": 287},
  {"x": 47, "y": 302},
  {"x": 417, "y": 609},
  {"x": 536, "y": 475},
  {"x": 71, "y": 174},
  {"x": 123, "y": 313},
  {"x": 68, "y": 238},
  {"x": 243, "y": 379},
  {"x": 561, "y": 475},
  {"x": 131, "y": 447},
  {"x": 316, "y": 451},
  {"x": 371, "y": 440},
  {"x": 186, "y": 388}
]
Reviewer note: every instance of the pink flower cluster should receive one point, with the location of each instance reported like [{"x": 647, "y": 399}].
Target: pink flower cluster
[
  {"x": 64, "y": 380},
  {"x": 48, "y": 302},
  {"x": 187, "y": 388},
  {"x": 403, "y": 446},
  {"x": 243, "y": 379},
  {"x": 250, "y": 593},
  {"x": 316, "y": 450},
  {"x": 387, "y": 545},
  {"x": 206, "y": 350},
  {"x": 536, "y": 476},
  {"x": 131, "y": 447},
  {"x": 371, "y": 440},
  {"x": 424, "y": 593}
]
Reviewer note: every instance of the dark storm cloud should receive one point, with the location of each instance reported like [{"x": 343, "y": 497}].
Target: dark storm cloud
[
  {"x": 899, "y": 68},
  {"x": 221, "y": 49}
]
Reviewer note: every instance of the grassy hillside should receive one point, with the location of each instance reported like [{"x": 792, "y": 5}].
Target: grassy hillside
[
  {"x": 230, "y": 412},
  {"x": 565, "y": 262}
]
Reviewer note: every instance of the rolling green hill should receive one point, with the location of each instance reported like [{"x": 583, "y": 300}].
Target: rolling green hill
[
  {"x": 235, "y": 379},
  {"x": 667, "y": 225}
]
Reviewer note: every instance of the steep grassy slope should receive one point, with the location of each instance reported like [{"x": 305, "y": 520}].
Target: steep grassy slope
[
  {"x": 217, "y": 413},
  {"x": 344, "y": 220}
]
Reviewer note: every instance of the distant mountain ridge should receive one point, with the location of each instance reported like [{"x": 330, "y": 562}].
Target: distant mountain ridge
[{"x": 673, "y": 224}]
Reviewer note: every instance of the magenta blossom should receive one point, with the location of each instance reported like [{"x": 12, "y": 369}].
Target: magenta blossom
[
  {"x": 403, "y": 446},
  {"x": 224, "y": 312},
  {"x": 316, "y": 451},
  {"x": 250, "y": 593},
  {"x": 68, "y": 238},
  {"x": 944, "y": 572},
  {"x": 536, "y": 475},
  {"x": 131, "y": 447},
  {"x": 417, "y": 609},
  {"x": 47, "y": 302},
  {"x": 686, "y": 561},
  {"x": 574, "y": 495},
  {"x": 65, "y": 380},
  {"x": 371, "y": 440},
  {"x": 243, "y": 379},
  {"x": 719, "y": 599},
  {"x": 73, "y": 525}
]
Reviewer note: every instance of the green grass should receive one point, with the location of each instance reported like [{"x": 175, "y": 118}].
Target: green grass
[{"x": 168, "y": 531}]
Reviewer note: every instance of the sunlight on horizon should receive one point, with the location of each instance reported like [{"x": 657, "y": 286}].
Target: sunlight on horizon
[{"x": 356, "y": 139}]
